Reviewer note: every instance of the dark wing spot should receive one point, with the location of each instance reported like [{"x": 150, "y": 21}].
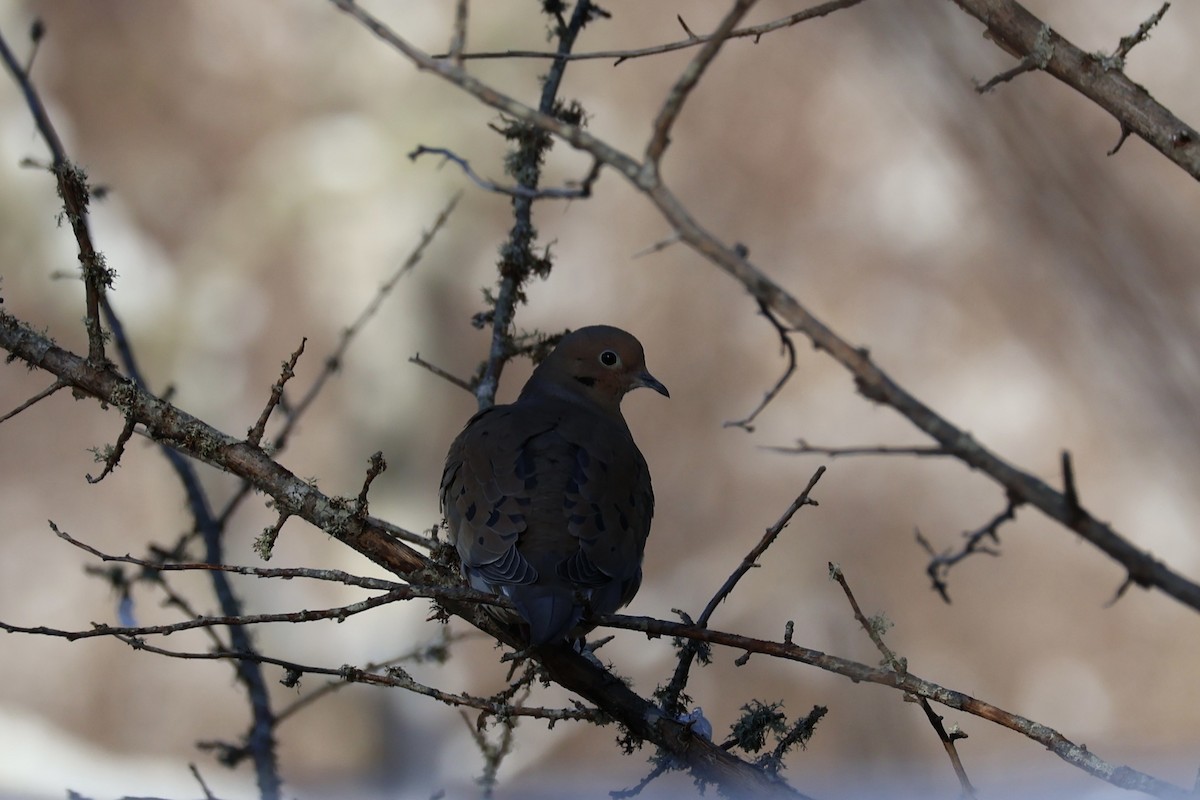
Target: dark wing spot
[{"x": 470, "y": 512}]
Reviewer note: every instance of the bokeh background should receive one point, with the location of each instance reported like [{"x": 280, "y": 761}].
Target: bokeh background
[{"x": 1040, "y": 294}]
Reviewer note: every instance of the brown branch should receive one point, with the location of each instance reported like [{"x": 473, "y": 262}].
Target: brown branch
[
  {"x": 339, "y": 613},
  {"x": 874, "y": 629},
  {"x": 334, "y": 361},
  {"x": 111, "y": 456},
  {"x": 174, "y": 427},
  {"x": 286, "y": 573},
  {"x": 458, "y": 39},
  {"x": 872, "y": 382},
  {"x": 940, "y": 563},
  {"x": 428, "y": 652},
  {"x": 1025, "y": 36},
  {"x": 37, "y": 398},
  {"x": 687, "y": 81},
  {"x": 789, "y": 350},
  {"x": 802, "y": 447},
  {"x": 441, "y": 373},
  {"x": 1076, "y": 755},
  {"x": 670, "y": 695},
  {"x": 1142, "y": 33},
  {"x": 581, "y": 189},
  {"x": 756, "y": 32},
  {"x": 393, "y": 677},
  {"x": 518, "y": 261},
  {"x": 376, "y": 467},
  {"x": 255, "y": 434},
  {"x": 75, "y": 194}
]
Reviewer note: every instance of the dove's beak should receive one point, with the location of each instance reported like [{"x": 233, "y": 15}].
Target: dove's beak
[{"x": 650, "y": 382}]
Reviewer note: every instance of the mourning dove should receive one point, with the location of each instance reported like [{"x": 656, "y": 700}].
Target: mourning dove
[{"x": 548, "y": 500}]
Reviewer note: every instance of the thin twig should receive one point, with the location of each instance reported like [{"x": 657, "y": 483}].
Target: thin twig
[
  {"x": 42, "y": 395},
  {"x": 334, "y": 361},
  {"x": 393, "y": 678},
  {"x": 789, "y": 349},
  {"x": 687, "y": 81},
  {"x": 113, "y": 455},
  {"x": 376, "y": 467},
  {"x": 458, "y": 40},
  {"x": 670, "y": 696},
  {"x": 1142, "y": 33},
  {"x": 428, "y": 652},
  {"x": 875, "y": 628},
  {"x": 802, "y": 447},
  {"x": 618, "y": 56},
  {"x": 441, "y": 373},
  {"x": 255, "y": 434},
  {"x": 518, "y": 261},
  {"x": 285, "y": 573},
  {"x": 1076, "y": 755},
  {"x": 208, "y": 795},
  {"x": 940, "y": 563},
  {"x": 582, "y": 189},
  {"x": 73, "y": 189}
]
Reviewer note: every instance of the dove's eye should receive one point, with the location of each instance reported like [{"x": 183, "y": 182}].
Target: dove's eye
[{"x": 609, "y": 359}]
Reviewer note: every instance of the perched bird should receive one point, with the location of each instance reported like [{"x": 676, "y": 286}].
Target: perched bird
[{"x": 548, "y": 499}]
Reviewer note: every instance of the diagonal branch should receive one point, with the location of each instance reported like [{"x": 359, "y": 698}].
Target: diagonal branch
[
  {"x": 1094, "y": 76},
  {"x": 1077, "y": 755},
  {"x": 754, "y": 32},
  {"x": 176, "y": 428},
  {"x": 872, "y": 382},
  {"x": 687, "y": 81}
]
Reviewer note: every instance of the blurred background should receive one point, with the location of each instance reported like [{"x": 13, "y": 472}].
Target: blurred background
[{"x": 1038, "y": 293}]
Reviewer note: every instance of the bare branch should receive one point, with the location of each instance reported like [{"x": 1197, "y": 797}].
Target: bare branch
[
  {"x": 670, "y": 695},
  {"x": 789, "y": 350},
  {"x": 941, "y": 563},
  {"x": 802, "y": 447},
  {"x": 334, "y": 361},
  {"x": 518, "y": 262},
  {"x": 112, "y": 455},
  {"x": 755, "y": 32},
  {"x": 441, "y": 373},
  {"x": 73, "y": 189},
  {"x": 582, "y": 189},
  {"x": 875, "y": 628},
  {"x": 376, "y": 468},
  {"x": 37, "y": 398},
  {"x": 687, "y": 81},
  {"x": 254, "y": 435},
  {"x": 1076, "y": 755},
  {"x": 1026, "y": 37},
  {"x": 1131, "y": 41},
  {"x": 458, "y": 40}
]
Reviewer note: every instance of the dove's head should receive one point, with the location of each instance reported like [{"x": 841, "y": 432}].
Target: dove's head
[{"x": 599, "y": 362}]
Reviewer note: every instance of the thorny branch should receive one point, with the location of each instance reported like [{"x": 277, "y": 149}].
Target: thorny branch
[
  {"x": 940, "y": 564},
  {"x": 875, "y": 628},
  {"x": 871, "y": 380},
  {"x": 97, "y": 277},
  {"x": 1077, "y": 755},
  {"x": 789, "y": 350},
  {"x": 582, "y": 189},
  {"x": 670, "y": 696},
  {"x": 518, "y": 263},
  {"x": 168, "y": 425},
  {"x": 1026, "y": 37},
  {"x": 75, "y": 194},
  {"x": 333, "y": 362},
  {"x": 754, "y": 32}
]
